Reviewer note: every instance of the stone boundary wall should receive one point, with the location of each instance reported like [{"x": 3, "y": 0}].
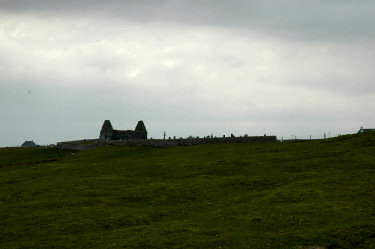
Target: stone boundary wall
[
  {"x": 83, "y": 144},
  {"x": 162, "y": 143}
]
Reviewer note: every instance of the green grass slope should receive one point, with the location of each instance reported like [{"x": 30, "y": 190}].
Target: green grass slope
[{"x": 255, "y": 195}]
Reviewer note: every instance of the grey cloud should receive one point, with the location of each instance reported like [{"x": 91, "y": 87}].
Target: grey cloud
[
  {"x": 294, "y": 19},
  {"x": 191, "y": 67}
]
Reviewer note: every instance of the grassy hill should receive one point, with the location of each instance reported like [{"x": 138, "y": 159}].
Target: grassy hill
[{"x": 255, "y": 195}]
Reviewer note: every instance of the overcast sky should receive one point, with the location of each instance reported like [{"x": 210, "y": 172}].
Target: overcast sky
[{"x": 189, "y": 67}]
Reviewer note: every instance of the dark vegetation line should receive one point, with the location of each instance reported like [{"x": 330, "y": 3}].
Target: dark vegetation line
[
  {"x": 33, "y": 162},
  {"x": 31, "y": 156}
]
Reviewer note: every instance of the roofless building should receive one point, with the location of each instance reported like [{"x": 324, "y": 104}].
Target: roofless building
[{"x": 108, "y": 133}]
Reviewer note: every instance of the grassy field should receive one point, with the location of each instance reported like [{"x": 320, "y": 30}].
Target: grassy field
[{"x": 255, "y": 195}]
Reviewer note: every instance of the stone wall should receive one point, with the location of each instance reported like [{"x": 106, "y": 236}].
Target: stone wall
[
  {"x": 84, "y": 144},
  {"x": 93, "y": 143}
]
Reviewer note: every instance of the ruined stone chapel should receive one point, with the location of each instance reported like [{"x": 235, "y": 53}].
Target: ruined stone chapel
[{"x": 108, "y": 133}]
